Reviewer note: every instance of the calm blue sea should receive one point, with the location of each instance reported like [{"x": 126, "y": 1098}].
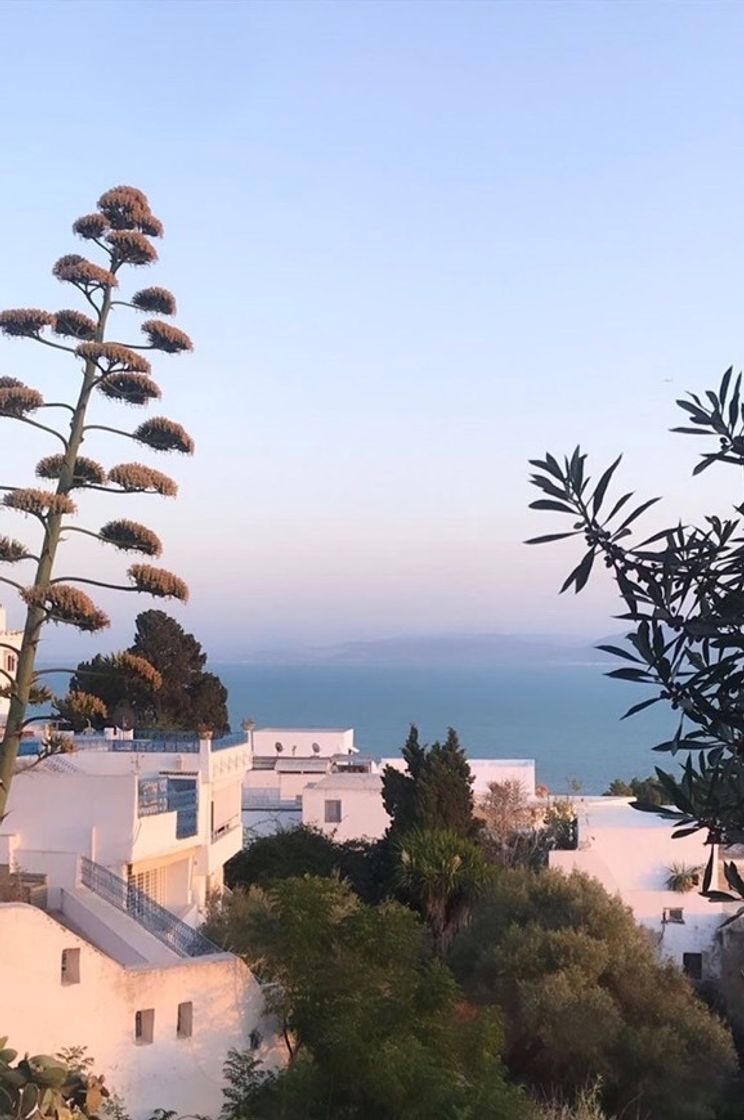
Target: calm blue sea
[{"x": 565, "y": 717}]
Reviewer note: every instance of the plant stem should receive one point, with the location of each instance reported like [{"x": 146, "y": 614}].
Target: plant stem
[{"x": 36, "y": 616}]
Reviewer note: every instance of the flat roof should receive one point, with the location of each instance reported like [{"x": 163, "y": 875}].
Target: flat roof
[
  {"x": 350, "y": 781},
  {"x": 616, "y": 812}
]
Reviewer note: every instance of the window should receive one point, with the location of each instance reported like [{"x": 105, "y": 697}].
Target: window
[
  {"x": 185, "y": 1020},
  {"x": 332, "y": 812},
  {"x": 11, "y": 662},
  {"x": 692, "y": 965},
  {"x": 144, "y": 1026},
  {"x": 70, "y": 968},
  {"x": 254, "y": 1040},
  {"x": 674, "y": 914}
]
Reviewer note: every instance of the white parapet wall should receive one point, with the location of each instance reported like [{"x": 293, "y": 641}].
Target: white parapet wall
[
  {"x": 57, "y": 990},
  {"x": 302, "y": 742}
]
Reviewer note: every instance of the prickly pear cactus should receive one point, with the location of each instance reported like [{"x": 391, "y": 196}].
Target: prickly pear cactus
[{"x": 44, "y": 1088}]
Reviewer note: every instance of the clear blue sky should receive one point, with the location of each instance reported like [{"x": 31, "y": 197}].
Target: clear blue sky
[{"x": 415, "y": 244}]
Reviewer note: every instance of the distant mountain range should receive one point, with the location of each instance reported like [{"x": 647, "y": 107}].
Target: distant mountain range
[{"x": 437, "y": 650}]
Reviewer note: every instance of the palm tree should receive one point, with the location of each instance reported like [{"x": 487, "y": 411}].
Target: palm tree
[{"x": 442, "y": 873}]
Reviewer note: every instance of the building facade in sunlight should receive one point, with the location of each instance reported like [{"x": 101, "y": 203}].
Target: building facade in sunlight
[{"x": 10, "y": 643}]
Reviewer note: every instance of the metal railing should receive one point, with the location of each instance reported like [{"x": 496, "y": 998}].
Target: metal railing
[
  {"x": 152, "y": 796},
  {"x": 269, "y": 799},
  {"x": 236, "y": 739},
  {"x": 170, "y": 930},
  {"x": 154, "y": 746},
  {"x": 167, "y": 795}
]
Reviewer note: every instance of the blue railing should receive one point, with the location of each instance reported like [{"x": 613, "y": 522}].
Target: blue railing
[
  {"x": 236, "y": 739},
  {"x": 183, "y": 796},
  {"x": 167, "y": 795},
  {"x": 153, "y": 746},
  {"x": 153, "y": 917},
  {"x": 152, "y": 796}
]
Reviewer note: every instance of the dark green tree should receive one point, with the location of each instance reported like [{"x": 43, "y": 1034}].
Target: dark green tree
[
  {"x": 682, "y": 592},
  {"x": 182, "y": 696},
  {"x": 584, "y": 995},
  {"x": 646, "y": 790},
  {"x": 367, "y": 866},
  {"x": 435, "y": 790}
]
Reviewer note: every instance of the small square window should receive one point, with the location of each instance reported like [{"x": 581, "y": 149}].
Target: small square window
[
  {"x": 332, "y": 812},
  {"x": 70, "y": 966},
  {"x": 144, "y": 1026},
  {"x": 674, "y": 914},
  {"x": 692, "y": 965},
  {"x": 185, "y": 1020}
]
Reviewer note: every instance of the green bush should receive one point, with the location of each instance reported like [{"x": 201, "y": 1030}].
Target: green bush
[{"x": 583, "y": 995}]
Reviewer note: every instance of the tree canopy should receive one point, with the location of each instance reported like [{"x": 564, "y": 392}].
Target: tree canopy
[
  {"x": 646, "y": 790},
  {"x": 584, "y": 995},
  {"x": 434, "y": 791},
  {"x": 291, "y": 853},
  {"x": 377, "y": 1029},
  {"x": 185, "y": 698}
]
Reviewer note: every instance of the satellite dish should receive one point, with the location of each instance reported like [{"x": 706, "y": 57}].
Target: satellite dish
[
  {"x": 278, "y": 748},
  {"x": 316, "y": 748}
]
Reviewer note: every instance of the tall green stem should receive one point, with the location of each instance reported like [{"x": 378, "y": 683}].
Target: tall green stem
[{"x": 36, "y": 616}]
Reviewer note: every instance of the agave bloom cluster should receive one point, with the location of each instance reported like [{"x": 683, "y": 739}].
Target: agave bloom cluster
[{"x": 103, "y": 354}]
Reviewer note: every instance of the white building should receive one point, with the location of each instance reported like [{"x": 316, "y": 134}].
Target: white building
[
  {"x": 118, "y": 844},
  {"x": 346, "y": 806},
  {"x": 316, "y": 777},
  {"x": 159, "y": 1027},
  {"x": 631, "y": 854},
  {"x": 10, "y": 643},
  {"x": 164, "y": 816},
  {"x": 284, "y": 761}
]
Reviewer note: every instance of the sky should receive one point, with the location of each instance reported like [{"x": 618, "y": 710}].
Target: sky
[{"x": 416, "y": 244}]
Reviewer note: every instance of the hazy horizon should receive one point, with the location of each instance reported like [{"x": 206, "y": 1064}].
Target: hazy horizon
[{"x": 415, "y": 244}]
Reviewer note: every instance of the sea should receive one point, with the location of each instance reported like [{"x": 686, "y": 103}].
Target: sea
[{"x": 567, "y": 717}]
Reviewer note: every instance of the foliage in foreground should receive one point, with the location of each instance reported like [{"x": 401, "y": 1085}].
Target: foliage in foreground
[
  {"x": 376, "y": 1027},
  {"x": 583, "y": 994},
  {"x": 682, "y": 591},
  {"x": 46, "y": 1087},
  {"x": 183, "y": 697}
]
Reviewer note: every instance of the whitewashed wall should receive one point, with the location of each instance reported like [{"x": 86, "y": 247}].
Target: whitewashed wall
[
  {"x": 42, "y": 1014},
  {"x": 363, "y": 814},
  {"x": 298, "y": 741}
]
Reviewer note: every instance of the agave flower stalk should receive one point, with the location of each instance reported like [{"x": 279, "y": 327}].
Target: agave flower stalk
[{"x": 121, "y": 228}]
